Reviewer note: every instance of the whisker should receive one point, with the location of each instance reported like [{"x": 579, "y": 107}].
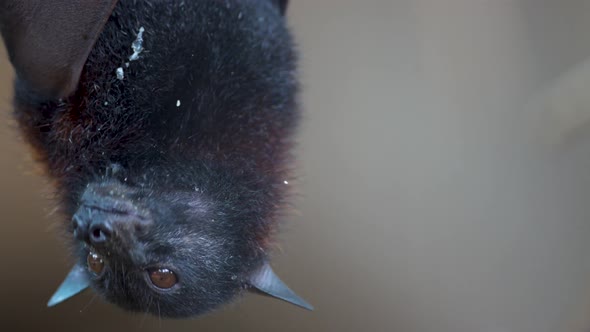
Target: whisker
[
  {"x": 52, "y": 212},
  {"x": 147, "y": 311},
  {"x": 159, "y": 315},
  {"x": 89, "y": 302},
  {"x": 123, "y": 275}
]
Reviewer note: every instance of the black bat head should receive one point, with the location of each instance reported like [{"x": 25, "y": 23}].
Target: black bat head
[
  {"x": 171, "y": 154},
  {"x": 150, "y": 250}
]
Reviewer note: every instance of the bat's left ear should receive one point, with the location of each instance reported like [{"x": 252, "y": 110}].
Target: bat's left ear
[
  {"x": 48, "y": 41},
  {"x": 75, "y": 282},
  {"x": 266, "y": 281}
]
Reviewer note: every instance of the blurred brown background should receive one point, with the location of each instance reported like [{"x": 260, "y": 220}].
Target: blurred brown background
[{"x": 444, "y": 170}]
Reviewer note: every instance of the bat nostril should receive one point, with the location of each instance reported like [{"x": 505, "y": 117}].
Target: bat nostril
[
  {"x": 79, "y": 227},
  {"x": 97, "y": 233},
  {"x": 100, "y": 233}
]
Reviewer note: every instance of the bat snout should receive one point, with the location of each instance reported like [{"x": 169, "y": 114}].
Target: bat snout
[
  {"x": 106, "y": 217},
  {"x": 102, "y": 228}
]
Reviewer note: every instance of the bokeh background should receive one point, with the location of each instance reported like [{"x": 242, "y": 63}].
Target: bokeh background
[{"x": 445, "y": 179}]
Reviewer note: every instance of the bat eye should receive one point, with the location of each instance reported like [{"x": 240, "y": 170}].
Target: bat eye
[
  {"x": 162, "y": 278},
  {"x": 95, "y": 263}
]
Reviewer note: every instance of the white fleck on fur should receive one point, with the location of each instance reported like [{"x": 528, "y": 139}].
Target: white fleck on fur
[
  {"x": 137, "y": 45},
  {"x": 120, "y": 73},
  {"x": 178, "y": 103}
]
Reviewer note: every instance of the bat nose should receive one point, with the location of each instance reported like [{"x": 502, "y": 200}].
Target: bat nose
[
  {"x": 99, "y": 228},
  {"x": 94, "y": 232}
]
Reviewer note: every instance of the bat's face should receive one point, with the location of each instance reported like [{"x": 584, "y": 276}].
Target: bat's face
[{"x": 158, "y": 252}]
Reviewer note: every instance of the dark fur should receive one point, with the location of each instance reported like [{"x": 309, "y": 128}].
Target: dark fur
[{"x": 210, "y": 172}]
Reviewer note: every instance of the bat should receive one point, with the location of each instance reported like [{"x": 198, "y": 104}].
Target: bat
[{"x": 167, "y": 129}]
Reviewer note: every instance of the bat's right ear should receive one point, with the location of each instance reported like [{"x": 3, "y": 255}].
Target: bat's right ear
[
  {"x": 48, "y": 41},
  {"x": 75, "y": 282}
]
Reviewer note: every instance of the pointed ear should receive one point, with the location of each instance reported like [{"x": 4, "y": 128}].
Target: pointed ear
[
  {"x": 266, "y": 281},
  {"x": 75, "y": 282},
  {"x": 48, "y": 41}
]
